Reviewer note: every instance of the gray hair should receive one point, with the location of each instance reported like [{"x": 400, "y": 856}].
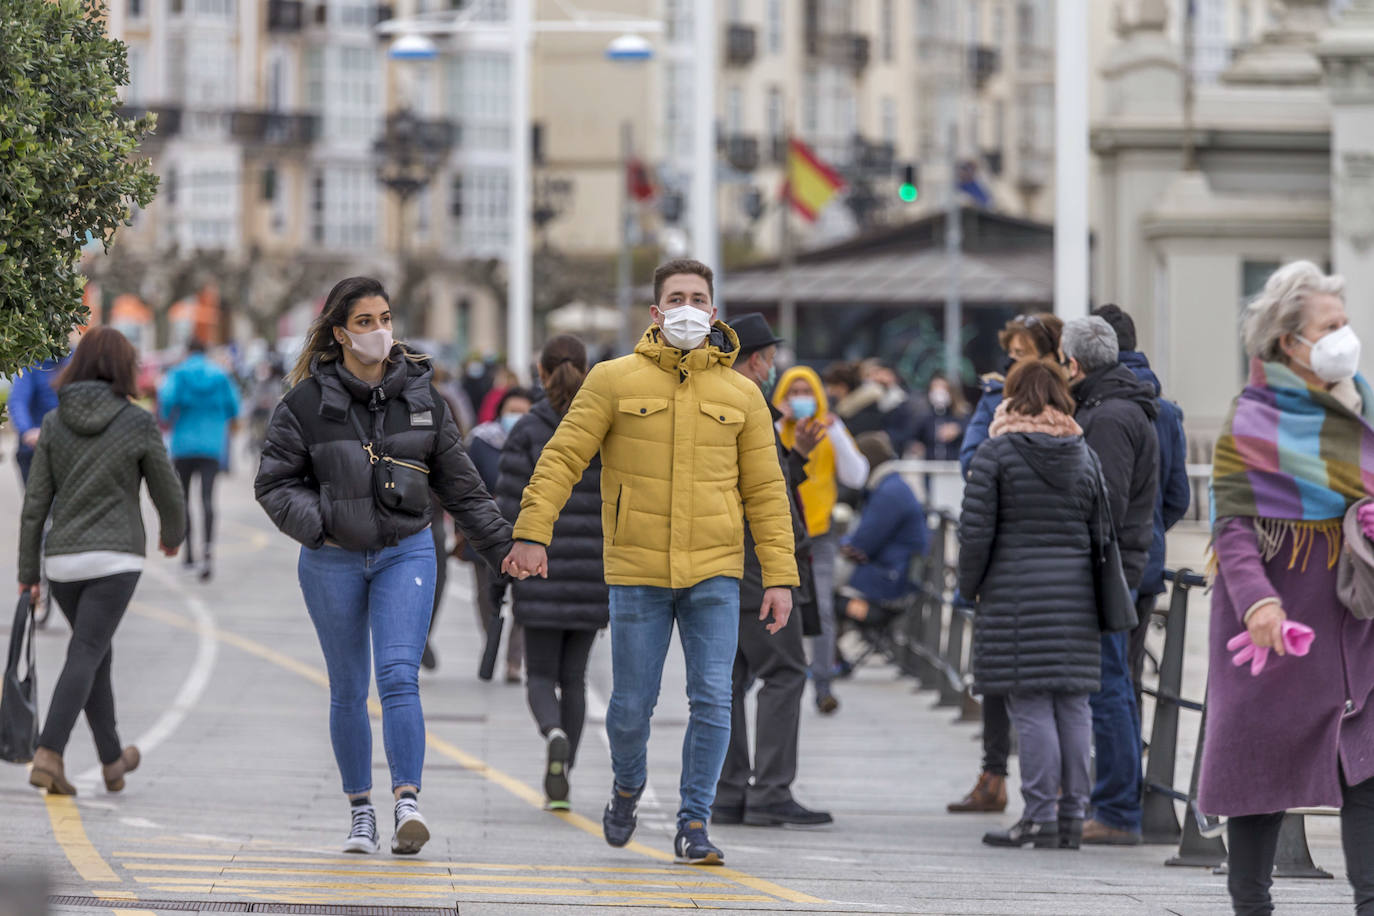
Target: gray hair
[
  {"x": 1092, "y": 342},
  {"x": 1281, "y": 307}
]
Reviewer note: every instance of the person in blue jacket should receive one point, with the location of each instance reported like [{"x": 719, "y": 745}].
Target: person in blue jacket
[
  {"x": 891, "y": 533},
  {"x": 1174, "y": 494},
  {"x": 200, "y": 402},
  {"x": 31, "y": 398},
  {"x": 1024, "y": 337}
]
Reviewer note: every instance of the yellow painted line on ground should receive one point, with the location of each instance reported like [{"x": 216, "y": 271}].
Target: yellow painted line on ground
[
  {"x": 71, "y": 836},
  {"x": 115, "y": 895},
  {"x": 230, "y": 857},
  {"x": 512, "y": 785},
  {"x": 229, "y": 870}
]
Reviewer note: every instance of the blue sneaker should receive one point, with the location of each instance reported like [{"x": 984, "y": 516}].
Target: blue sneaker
[
  {"x": 618, "y": 822},
  {"x": 693, "y": 846}
]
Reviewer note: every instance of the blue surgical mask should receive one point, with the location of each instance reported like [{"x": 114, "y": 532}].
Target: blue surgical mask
[
  {"x": 772, "y": 380},
  {"x": 803, "y": 408},
  {"x": 508, "y": 421}
]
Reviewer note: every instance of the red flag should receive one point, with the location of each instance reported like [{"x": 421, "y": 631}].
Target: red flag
[{"x": 637, "y": 181}]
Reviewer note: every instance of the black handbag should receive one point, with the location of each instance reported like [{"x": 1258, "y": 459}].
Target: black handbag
[
  {"x": 19, "y": 698},
  {"x": 1115, "y": 607},
  {"x": 400, "y": 486}
]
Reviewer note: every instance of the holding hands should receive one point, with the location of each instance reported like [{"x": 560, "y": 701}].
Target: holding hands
[{"x": 526, "y": 559}]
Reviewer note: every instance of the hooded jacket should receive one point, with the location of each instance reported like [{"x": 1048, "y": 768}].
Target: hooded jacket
[
  {"x": 1174, "y": 494},
  {"x": 1025, "y": 555},
  {"x": 199, "y": 401},
  {"x": 315, "y": 480},
  {"x": 892, "y": 532},
  {"x": 32, "y": 396},
  {"x": 574, "y": 596},
  {"x": 826, "y": 470},
  {"x": 1117, "y": 413},
  {"x": 976, "y": 432},
  {"x": 95, "y": 451},
  {"x": 687, "y": 451}
]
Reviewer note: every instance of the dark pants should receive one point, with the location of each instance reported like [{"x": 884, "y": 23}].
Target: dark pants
[
  {"x": 208, "y": 470},
  {"x": 780, "y": 662},
  {"x": 440, "y": 532},
  {"x": 556, "y": 679},
  {"x": 1252, "y": 841},
  {"x": 996, "y": 735},
  {"x": 1116, "y": 739},
  {"x": 1055, "y": 732},
  {"x": 487, "y": 609},
  {"x": 94, "y": 608},
  {"x": 1144, "y": 608},
  {"x": 24, "y": 458}
]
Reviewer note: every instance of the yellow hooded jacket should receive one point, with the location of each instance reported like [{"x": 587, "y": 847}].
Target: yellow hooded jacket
[
  {"x": 686, "y": 448},
  {"x": 819, "y": 491}
]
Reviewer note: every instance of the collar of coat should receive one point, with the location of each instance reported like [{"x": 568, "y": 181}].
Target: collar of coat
[
  {"x": 405, "y": 378},
  {"x": 722, "y": 346},
  {"x": 1050, "y": 421}
]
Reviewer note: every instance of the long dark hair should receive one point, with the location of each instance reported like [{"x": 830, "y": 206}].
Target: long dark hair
[
  {"x": 320, "y": 342},
  {"x": 564, "y": 363},
  {"x": 104, "y": 355}
]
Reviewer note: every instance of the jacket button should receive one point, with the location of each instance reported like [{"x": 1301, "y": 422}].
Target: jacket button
[
  {"x": 643, "y": 410},
  {"x": 722, "y": 419}
]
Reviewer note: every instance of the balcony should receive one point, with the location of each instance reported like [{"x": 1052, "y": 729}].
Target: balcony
[
  {"x": 742, "y": 152},
  {"x": 874, "y": 158},
  {"x": 383, "y": 12},
  {"x": 168, "y": 120},
  {"x": 285, "y": 16},
  {"x": 273, "y": 128},
  {"x": 983, "y": 63},
  {"x": 741, "y": 45}
]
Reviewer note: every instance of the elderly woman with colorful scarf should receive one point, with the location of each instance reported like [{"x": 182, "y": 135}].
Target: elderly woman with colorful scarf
[{"x": 1295, "y": 453}]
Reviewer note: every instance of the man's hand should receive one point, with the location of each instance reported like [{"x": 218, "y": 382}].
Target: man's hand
[
  {"x": 525, "y": 560},
  {"x": 1266, "y": 627},
  {"x": 809, "y": 435},
  {"x": 948, "y": 432},
  {"x": 169, "y": 551},
  {"x": 778, "y": 603},
  {"x": 31, "y": 591},
  {"x": 30, "y": 438}
]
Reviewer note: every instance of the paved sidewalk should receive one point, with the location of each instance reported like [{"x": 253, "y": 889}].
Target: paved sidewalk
[{"x": 238, "y": 800}]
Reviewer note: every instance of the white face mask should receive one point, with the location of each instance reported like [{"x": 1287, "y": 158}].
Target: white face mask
[
  {"x": 686, "y": 326},
  {"x": 371, "y": 348},
  {"x": 1335, "y": 357}
]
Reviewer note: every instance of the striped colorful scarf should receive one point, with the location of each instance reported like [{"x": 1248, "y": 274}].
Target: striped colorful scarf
[{"x": 1292, "y": 456}]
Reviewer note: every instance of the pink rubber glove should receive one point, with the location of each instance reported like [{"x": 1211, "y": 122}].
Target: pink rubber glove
[
  {"x": 1297, "y": 640},
  {"x": 1366, "y": 516},
  {"x": 1297, "y": 637}
]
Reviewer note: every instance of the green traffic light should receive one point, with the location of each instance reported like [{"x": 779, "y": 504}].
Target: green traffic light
[{"x": 908, "y": 192}]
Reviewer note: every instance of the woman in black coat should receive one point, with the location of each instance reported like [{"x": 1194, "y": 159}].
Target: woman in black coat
[
  {"x": 1025, "y": 552},
  {"x": 562, "y": 613}
]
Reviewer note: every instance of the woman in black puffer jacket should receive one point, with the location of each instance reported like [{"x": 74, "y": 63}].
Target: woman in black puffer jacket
[
  {"x": 352, "y": 453},
  {"x": 562, "y": 613},
  {"x": 1025, "y": 552}
]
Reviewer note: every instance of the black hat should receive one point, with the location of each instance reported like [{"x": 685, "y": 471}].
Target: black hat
[{"x": 753, "y": 332}]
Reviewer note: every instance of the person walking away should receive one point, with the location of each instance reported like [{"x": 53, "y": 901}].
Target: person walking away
[
  {"x": 758, "y": 791},
  {"x": 96, "y": 451},
  {"x": 940, "y": 431},
  {"x": 686, "y": 446},
  {"x": 33, "y": 397},
  {"x": 352, "y": 453},
  {"x": 485, "y": 444},
  {"x": 200, "y": 402},
  {"x": 1117, "y": 413},
  {"x": 1025, "y": 553},
  {"x": 1024, "y": 337},
  {"x": 891, "y": 533},
  {"x": 1300, "y": 733},
  {"x": 560, "y": 615},
  {"x": 1174, "y": 494},
  {"x": 835, "y": 462}
]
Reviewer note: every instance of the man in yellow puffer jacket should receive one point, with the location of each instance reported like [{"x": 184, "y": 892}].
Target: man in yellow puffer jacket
[{"x": 687, "y": 451}]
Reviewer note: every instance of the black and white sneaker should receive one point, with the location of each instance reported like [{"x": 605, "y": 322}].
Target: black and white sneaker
[
  {"x": 556, "y": 768},
  {"x": 362, "y": 838},
  {"x": 412, "y": 833},
  {"x": 694, "y": 847}
]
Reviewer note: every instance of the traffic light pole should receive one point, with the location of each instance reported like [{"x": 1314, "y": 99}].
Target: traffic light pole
[
  {"x": 954, "y": 253},
  {"x": 624, "y": 279},
  {"x": 787, "y": 305}
]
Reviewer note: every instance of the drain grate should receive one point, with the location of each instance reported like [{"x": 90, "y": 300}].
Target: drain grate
[{"x": 226, "y": 906}]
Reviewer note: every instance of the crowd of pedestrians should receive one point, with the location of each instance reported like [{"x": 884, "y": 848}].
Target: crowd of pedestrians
[{"x": 692, "y": 485}]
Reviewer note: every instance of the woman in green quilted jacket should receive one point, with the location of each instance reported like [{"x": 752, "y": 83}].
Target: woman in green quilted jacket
[{"x": 96, "y": 450}]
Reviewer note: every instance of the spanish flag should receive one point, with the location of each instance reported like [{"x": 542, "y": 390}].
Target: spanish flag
[{"x": 810, "y": 182}]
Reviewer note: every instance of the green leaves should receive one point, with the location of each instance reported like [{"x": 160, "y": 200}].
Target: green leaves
[{"x": 65, "y": 166}]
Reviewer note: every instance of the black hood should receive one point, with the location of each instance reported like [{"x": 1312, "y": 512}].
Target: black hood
[
  {"x": 88, "y": 407},
  {"x": 1116, "y": 382},
  {"x": 546, "y": 414},
  {"x": 1057, "y": 460}
]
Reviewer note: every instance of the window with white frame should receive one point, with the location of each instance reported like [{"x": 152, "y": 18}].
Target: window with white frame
[
  {"x": 481, "y": 208},
  {"x": 353, "y": 14},
  {"x": 314, "y": 78},
  {"x": 212, "y": 9},
  {"x": 777, "y": 123},
  {"x": 734, "y": 11},
  {"x": 678, "y": 20},
  {"x": 889, "y": 119},
  {"x": 734, "y": 110},
  {"x": 352, "y": 93},
  {"x": 774, "y": 26},
  {"x": 887, "y": 31},
  {"x": 344, "y": 206},
  {"x": 209, "y": 204},
  {"x": 477, "y": 95},
  {"x": 138, "y": 75},
  {"x": 209, "y": 73},
  {"x": 677, "y": 109},
  {"x": 811, "y": 104}
]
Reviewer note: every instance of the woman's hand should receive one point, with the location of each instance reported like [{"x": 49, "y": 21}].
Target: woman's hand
[
  {"x": 169, "y": 551},
  {"x": 30, "y": 590},
  {"x": 809, "y": 434},
  {"x": 1266, "y": 627}
]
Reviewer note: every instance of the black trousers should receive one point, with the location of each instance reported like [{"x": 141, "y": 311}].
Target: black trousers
[
  {"x": 1252, "y": 842},
  {"x": 780, "y": 662},
  {"x": 556, "y": 679},
  {"x": 440, "y": 531},
  {"x": 94, "y": 608},
  {"x": 207, "y": 469},
  {"x": 996, "y": 735},
  {"x": 1144, "y": 608}
]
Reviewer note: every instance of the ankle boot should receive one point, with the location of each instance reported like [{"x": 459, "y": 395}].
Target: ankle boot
[
  {"x": 989, "y": 795},
  {"x": 48, "y": 773},
  {"x": 1025, "y": 833},
  {"x": 114, "y": 772},
  {"x": 1070, "y": 832}
]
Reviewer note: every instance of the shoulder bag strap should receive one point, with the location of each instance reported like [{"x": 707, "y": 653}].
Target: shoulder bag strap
[{"x": 363, "y": 437}]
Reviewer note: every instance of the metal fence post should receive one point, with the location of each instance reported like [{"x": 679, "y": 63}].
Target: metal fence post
[
  {"x": 1294, "y": 858},
  {"x": 1159, "y": 820},
  {"x": 1194, "y": 849}
]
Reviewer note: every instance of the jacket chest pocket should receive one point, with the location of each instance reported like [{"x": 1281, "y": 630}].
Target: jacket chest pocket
[
  {"x": 644, "y": 417},
  {"x": 720, "y": 424}
]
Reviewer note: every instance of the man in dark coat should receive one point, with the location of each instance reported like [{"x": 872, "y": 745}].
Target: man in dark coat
[
  {"x": 1117, "y": 413},
  {"x": 760, "y": 794},
  {"x": 1174, "y": 494}
]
